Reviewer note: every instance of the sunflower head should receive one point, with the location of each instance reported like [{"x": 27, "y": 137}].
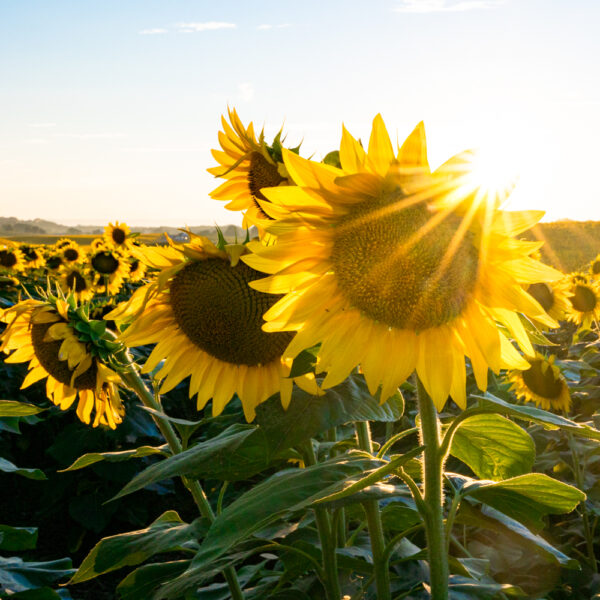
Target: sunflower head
[
  {"x": 584, "y": 301},
  {"x": 11, "y": 259},
  {"x": 54, "y": 262},
  {"x": 42, "y": 333},
  {"x": 109, "y": 268},
  {"x": 78, "y": 281},
  {"x": 595, "y": 267},
  {"x": 553, "y": 297},
  {"x": 248, "y": 165},
  {"x": 396, "y": 268},
  {"x": 206, "y": 322},
  {"x": 117, "y": 235},
  {"x": 137, "y": 269},
  {"x": 62, "y": 243},
  {"x": 542, "y": 383},
  {"x": 72, "y": 254},
  {"x": 32, "y": 256}
]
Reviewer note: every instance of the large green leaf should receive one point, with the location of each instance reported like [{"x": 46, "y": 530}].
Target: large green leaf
[
  {"x": 12, "y": 408},
  {"x": 285, "y": 492},
  {"x": 236, "y": 453},
  {"x": 44, "y": 593},
  {"x": 8, "y": 467},
  {"x": 18, "y": 538},
  {"x": 466, "y": 588},
  {"x": 489, "y": 518},
  {"x": 93, "y": 457},
  {"x": 140, "y": 584},
  {"x": 18, "y": 575},
  {"x": 544, "y": 418},
  {"x": 308, "y": 415},
  {"x": 167, "y": 533},
  {"x": 527, "y": 498},
  {"x": 493, "y": 447}
]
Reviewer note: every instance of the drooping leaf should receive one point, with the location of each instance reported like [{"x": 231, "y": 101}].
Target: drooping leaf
[
  {"x": 465, "y": 588},
  {"x": 12, "y": 408},
  {"x": 236, "y": 453},
  {"x": 44, "y": 593},
  {"x": 544, "y": 418},
  {"x": 18, "y": 538},
  {"x": 8, "y": 467},
  {"x": 19, "y": 576},
  {"x": 493, "y": 447},
  {"x": 167, "y": 533},
  {"x": 93, "y": 457},
  {"x": 527, "y": 498},
  {"x": 307, "y": 415}
]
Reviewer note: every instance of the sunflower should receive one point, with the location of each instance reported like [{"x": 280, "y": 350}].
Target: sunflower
[
  {"x": 62, "y": 243},
  {"x": 117, "y": 236},
  {"x": 584, "y": 302},
  {"x": 206, "y": 323},
  {"x": 98, "y": 244},
  {"x": 78, "y": 281},
  {"x": 72, "y": 254},
  {"x": 552, "y": 297},
  {"x": 137, "y": 269},
  {"x": 248, "y": 165},
  {"x": 11, "y": 259},
  {"x": 542, "y": 383},
  {"x": 394, "y": 268},
  {"x": 109, "y": 268},
  {"x": 40, "y": 332},
  {"x": 32, "y": 256},
  {"x": 54, "y": 262}
]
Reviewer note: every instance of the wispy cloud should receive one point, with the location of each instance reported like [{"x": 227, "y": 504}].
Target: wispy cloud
[
  {"x": 433, "y": 6},
  {"x": 246, "y": 90},
  {"x": 207, "y": 26},
  {"x": 155, "y": 31},
  {"x": 269, "y": 26}
]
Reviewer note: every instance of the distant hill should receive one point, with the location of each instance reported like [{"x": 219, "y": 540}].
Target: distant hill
[
  {"x": 13, "y": 227},
  {"x": 568, "y": 245}
]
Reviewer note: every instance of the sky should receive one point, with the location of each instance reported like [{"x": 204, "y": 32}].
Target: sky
[{"x": 109, "y": 109}]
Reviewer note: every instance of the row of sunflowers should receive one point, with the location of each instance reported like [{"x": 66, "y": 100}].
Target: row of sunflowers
[{"x": 370, "y": 273}]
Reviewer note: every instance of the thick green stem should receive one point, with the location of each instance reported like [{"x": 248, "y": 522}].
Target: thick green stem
[
  {"x": 327, "y": 538},
  {"x": 132, "y": 378},
  {"x": 380, "y": 560},
  {"x": 433, "y": 466}
]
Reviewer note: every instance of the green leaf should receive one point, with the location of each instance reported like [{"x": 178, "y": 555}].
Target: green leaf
[
  {"x": 489, "y": 518},
  {"x": 19, "y": 576},
  {"x": 285, "y": 492},
  {"x": 493, "y": 447},
  {"x": 140, "y": 584},
  {"x": 93, "y": 457},
  {"x": 18, "y": 538},
  {"x": 309, "y": 415},
  {"x": 544, "y": 418},
  {"x": 304, "y": 363},
  {"x": 236, "y": 453},
  {"x": 527, "y": 498},
  {"x": 352, "y": 487},
  {"x": 465, "y": 588},
  {"x": 167, "y": 533},
  {"x": 44, "y": 593},
  {"x": 8, "y": 467},
  {"x": 12, "y": 408}
]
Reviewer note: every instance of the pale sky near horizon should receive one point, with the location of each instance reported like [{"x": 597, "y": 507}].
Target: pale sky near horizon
[{"x": 109, "y": 108}]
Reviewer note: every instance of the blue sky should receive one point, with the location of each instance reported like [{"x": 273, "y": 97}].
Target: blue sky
[{"x": 110, "y": 109}]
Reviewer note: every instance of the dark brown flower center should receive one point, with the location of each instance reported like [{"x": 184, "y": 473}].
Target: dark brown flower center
[
  {"x": 222, "y": 315},
  {"x": 47, "y": 354},
  {"x": 543, "y": 293},
  {"x": 30, "y": 254},
  {"x": 54, "y": 262},
  {"x": 7, "y": 258},
  {"x": 396, "y": 270},
  {"x": 262, "y": 174},
  {"x": 76, "y": 281},
  {"x": 596, "y": 267},
  {"x": 105, "y": 263},
  {"x": 118, "y": 235},
  {"x": 543, "y": 383},
  {"x": 583, "y": 299},
  {"x": 71, "y": 254},
  {"x": 133, "y": 267}
]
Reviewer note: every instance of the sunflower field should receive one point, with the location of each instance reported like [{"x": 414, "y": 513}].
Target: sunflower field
[{"x": 382, "y": 392}]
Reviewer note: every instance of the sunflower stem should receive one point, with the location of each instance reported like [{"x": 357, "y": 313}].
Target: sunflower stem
[
  {"x": 132, "y": 378},
  {"x": 326, "y": 536},
  {"x": 380, "y": 559},
  {"x": 433, "y": 513}
]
